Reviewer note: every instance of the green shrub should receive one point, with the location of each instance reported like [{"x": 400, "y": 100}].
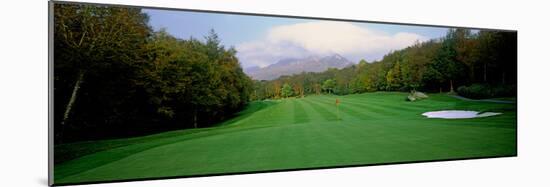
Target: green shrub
[{"x": 484, "y": 91}]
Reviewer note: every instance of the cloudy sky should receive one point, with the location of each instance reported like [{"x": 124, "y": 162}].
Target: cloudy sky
[{"x": 261, "y": 41}]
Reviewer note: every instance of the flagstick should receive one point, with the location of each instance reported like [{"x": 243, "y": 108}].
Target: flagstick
[
  {"x": 337, "y": 113},
  {"x": 337, "y": 110}
]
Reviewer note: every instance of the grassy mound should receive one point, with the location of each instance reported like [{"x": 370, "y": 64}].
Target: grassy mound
[{"x": 416, "y": 95}]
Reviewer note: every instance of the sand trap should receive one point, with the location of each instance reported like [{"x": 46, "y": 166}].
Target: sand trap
[{"x": 458, "y": 114}]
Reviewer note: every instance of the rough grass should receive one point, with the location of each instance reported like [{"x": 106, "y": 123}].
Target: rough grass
[{"x": 300, "y": 133}]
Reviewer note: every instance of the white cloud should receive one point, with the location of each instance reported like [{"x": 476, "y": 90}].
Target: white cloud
[
  {"x": 322, "y": 37},
  {"x": 263, "y": 53}
]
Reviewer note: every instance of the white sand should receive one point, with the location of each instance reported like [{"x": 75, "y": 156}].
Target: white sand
[{"x": 458, "y": 114}]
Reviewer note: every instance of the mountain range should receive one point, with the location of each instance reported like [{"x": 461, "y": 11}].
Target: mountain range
[{"x": 290, "y": 66}]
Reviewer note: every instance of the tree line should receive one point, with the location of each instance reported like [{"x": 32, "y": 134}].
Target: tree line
[
  {"x": 472, "y": 61},
  {"x": 114, "y": 76}
]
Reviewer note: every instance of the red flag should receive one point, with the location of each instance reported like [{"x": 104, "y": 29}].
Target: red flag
[{"x": 337, "y": 101}]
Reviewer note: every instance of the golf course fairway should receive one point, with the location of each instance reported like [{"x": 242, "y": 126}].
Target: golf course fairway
[{"x": 299, "y": 133}]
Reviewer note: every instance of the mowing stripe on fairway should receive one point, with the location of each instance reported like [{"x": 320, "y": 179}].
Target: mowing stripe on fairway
[
  {"x": 322, "y": 110},
  {"x": 352, "y": 110},
  {"x": 300, "y": 115},
  {"x": 253, "y": 110},
  {"x": 402, "y": 104},
  {"x": 345, "y": 110},
  {"x": 313, "y": 114},
  {"x": 368, "y": 107}
]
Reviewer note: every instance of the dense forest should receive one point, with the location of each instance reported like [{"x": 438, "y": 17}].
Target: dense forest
[
  {"x": 115, "y": 77},
  {"x": 480, "y": 64}
]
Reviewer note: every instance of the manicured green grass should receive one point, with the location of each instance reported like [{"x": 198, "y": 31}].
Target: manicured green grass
[{"x": 300, "y": 133}]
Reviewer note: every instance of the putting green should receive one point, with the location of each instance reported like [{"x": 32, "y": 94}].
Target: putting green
[{"x": 301, "y": 133}]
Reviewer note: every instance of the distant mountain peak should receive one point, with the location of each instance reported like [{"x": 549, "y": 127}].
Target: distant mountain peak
[
  {"x": 290, "y": 66},
  {"x": 252, "y": 69},
  {"x": 337, "y": 56}
]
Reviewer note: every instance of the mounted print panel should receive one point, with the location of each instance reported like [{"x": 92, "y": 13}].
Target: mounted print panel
[{"x": 150, "y": 93}]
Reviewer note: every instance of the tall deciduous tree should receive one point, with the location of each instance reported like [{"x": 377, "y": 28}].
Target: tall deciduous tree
[
  {"x": 286, "y": 91},
  {"x": 90, "y": 38},
  {"x": 329, "y": 85},
  {"x": 445, "y": 61}
]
